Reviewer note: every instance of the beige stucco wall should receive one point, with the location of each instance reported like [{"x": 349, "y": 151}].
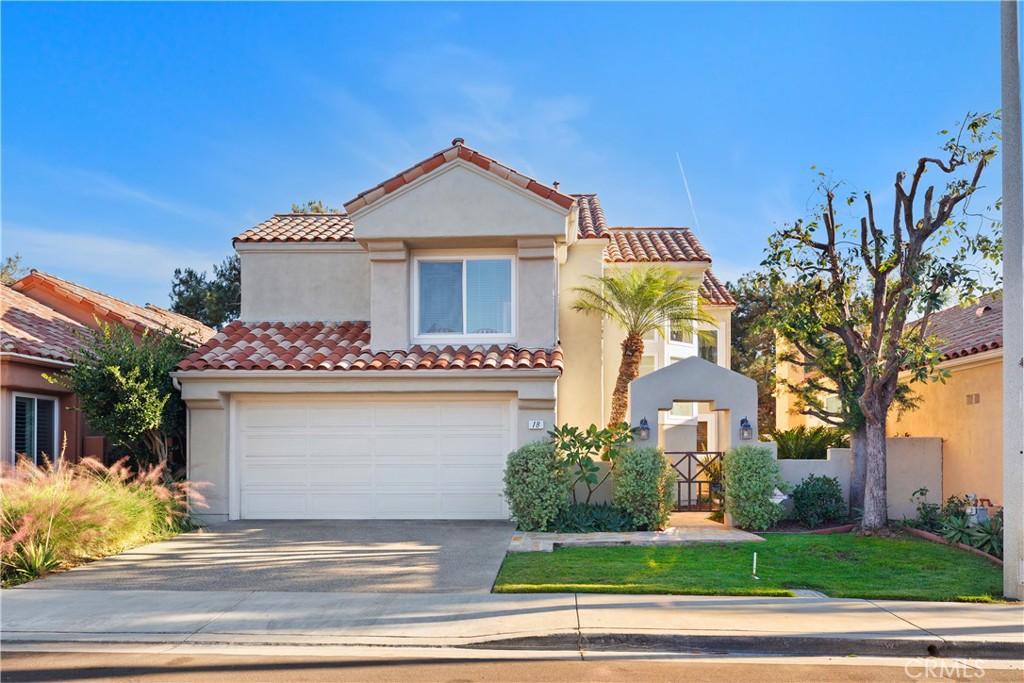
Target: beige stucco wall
[
  {"x": 911, "y": 463},
  {"x": 311, "y": 282},
  {"x": 581, "y": 395},
  {"x": 207, "y": 456},
  {"x": 460, "y": 200},
  {"x": 972, "y": 438}
]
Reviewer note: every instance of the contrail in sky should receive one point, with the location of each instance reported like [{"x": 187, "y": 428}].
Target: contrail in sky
[{"x": 693, "y": 208}]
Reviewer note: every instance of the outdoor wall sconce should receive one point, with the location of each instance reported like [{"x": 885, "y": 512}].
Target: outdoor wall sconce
[
  {"x": 643, "y": 432},
  {"x": 746, "y": 431}
]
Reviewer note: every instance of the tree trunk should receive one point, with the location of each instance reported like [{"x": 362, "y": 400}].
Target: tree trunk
[
  {"x": 859, "y": 474},
  {"x": 876, "y": 514},
  {"x": 629, "y": 369}
]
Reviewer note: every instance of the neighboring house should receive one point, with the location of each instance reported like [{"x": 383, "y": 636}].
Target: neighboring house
[
  {"x": 965, "y": 411},
  {"x": 41, "y": 315},
  {"x": 388, "y": 359}
]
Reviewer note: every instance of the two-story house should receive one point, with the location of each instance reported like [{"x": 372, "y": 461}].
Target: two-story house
[{"x": 388, "y": 359}]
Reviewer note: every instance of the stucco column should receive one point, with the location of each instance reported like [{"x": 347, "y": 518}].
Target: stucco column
[
  {"x": 207, "y": 456},
  {"x": 538, "y": 293},
  {"x": 1013, "y": 310},
  {"x": 390, "y": 296}
]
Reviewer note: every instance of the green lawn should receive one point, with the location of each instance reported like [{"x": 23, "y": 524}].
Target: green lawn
[{"x": 839, "y": 565}]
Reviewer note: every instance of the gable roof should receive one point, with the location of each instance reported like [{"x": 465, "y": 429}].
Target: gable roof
[
  {"x": 969, "y": 330},
  {"x": 108, "y": 308},
  {"x": 714, "y": 292},
  {"x": 591, "y": 223},
  {"x": 458, "y": 150},
  {"x": 632, "y": 245},
  {"x": 344, "y": 346},
  {"x": 300, "y": 227},
  {"x": 31, "y": 328}
]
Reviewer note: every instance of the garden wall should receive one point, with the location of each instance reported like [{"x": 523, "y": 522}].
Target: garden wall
[{"x": 911, "y": 463}]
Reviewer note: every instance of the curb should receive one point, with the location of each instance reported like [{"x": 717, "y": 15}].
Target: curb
[{"x": 768, "y": 645}]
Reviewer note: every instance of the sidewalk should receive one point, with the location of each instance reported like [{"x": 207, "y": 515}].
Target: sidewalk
[{"x": 808, "y": 625}]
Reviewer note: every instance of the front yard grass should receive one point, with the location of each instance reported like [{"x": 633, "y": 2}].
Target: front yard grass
[{"x": 839, "y": 565}]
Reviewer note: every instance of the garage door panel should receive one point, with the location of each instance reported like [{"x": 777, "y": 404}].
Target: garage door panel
[
  {"x": 340, "y": 446},
  {"x": 406, "y": 445},
  {"x": 476, "y": 476},
  {"x": 277, "y": 474},
  {"x": 274, "y": 415},
  {"x": 276, "y": 504},
  {"x": 270, "y": 446},
  {"x": 344, "y": 459},
  {"x": 482, "y": 445},
  {"x": 340, "y": 415},
  {"x": 479, "y": 415},
  {"x": 355, "y": 474},
  {"x": 405, "y": 416}
]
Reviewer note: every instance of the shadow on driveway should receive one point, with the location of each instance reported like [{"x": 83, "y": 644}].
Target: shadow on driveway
[{"x": 367, "y": 556}]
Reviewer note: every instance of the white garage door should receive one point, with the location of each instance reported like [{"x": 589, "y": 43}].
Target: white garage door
[{"x": 352, "y": 459}]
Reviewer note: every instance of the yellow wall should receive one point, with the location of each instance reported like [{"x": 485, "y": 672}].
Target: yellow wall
[{"x": 972, "y": 435}]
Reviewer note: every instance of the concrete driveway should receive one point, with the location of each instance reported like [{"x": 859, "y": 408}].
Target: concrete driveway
[{"x": 320, "y": 556}]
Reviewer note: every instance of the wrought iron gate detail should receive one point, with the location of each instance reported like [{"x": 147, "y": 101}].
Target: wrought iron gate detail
[{"x": 698, "y": 480}]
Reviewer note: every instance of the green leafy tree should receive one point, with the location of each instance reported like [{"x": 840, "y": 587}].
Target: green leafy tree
[
  {"x": 868, "y": 281},
  {"x": 212, "y": 301},
  {"x": 12, "y": 270},
  {"x": 125, "y": 390},
  {"x": 753, "y": 341},
  {"x": 640, "y": 300},
  {"x": 313, "y": 206}
]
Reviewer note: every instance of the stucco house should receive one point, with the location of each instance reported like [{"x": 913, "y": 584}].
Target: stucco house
[
  {"x": 40, "y": 315},
  {"x": 387, "y": 359},
  {"x": 965, "y": 410}
]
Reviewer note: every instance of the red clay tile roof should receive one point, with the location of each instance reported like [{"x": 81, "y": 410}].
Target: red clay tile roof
[
  {"x": 301, "y": 227},
  {"x": 34, "y": 329},
  {"x": 458, "y": 150},
  {"x": 591, "y": 217},
  {"x": 344, "y": 347},
  {"x": 630, "y": 245},
  {"x": 105, "y": 307},
  {"x": 965, "y": 331},
  {"x": 714, "y": 292}
]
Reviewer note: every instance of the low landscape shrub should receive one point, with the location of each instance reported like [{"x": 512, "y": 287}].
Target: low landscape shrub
[
  {"x": 536, "y": 485},
  {"x": 643, "y": 487},
  {"x": 801, "y": 443},
  {"x": 585, "y": 518},
  {"x": 932, "y": 516},
  {"x": 817, "y": 500},
  {"x": 52, "y": 519},
  {"x": 751, "y": 477}
]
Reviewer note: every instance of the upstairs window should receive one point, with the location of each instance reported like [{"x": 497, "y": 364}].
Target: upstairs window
[
  {"x": 707, "y": 345},
  {"x": 467, "y": 297}
]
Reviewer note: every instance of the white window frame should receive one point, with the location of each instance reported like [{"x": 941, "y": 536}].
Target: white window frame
[
  {"x": 446, "y": 337},
  {"x": 15, "y": 395}
]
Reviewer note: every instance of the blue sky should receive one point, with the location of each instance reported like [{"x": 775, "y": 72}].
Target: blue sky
[{"x": 140, "y": 137}]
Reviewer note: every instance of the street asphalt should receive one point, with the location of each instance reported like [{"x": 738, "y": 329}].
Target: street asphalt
[{"x": 333, "y": 556}]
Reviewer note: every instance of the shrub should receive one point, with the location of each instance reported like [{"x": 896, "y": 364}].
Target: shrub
[
  {"x": 584, "y": 518},
  {"x": 580, "y": 449},
  {"x": 817, "y": 500},
  {"x": 751, "y": 477},
  {"x": 987, "y": 536},
  {"x": 801, "y": 443},
  {"x": 52, "y": 519},
  {"x": 643, "y": 486},
  {"x": 536, "y": 485}
]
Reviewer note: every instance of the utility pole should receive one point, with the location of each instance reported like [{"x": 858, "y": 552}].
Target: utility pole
[{"x": 1013, "y": 309}]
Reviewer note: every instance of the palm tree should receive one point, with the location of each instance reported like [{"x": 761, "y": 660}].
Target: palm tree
[{"x": 640, "y": 300}]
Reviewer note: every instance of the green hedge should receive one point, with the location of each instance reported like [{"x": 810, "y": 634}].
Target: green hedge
[
  {"x": 643, "y": 486},
  {"x": 751, "y": 477},
  {"x": 536, "y": 486}
]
